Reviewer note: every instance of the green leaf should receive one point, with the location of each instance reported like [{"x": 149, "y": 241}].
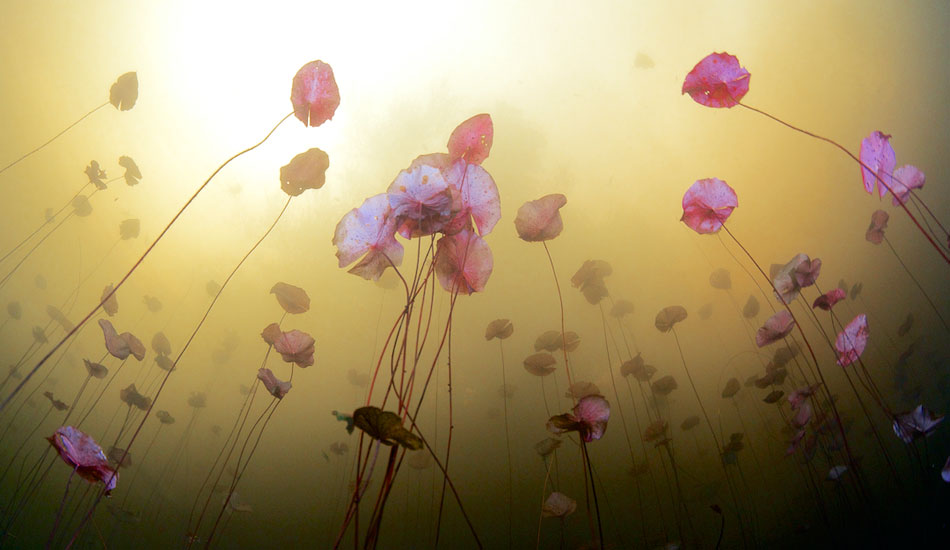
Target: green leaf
[
  {"x": 561, "y": 423},
  {"x": 386, "y": 427}
]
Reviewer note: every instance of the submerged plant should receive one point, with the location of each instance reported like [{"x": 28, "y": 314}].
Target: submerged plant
[
  {"x": 122, "y": 95},
  {"x": 912, "y": 425},
  {"x": 589, "y": 419},
  {"x": 451, "y": 201},
  {"x": 719, "y": 81},
  {"x": 385, "y": 427},
  {"x": 84, "y": 455},
  {"x": 502, "y": 329}
]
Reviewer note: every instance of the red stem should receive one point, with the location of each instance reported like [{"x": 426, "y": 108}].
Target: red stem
[
  {"x": 856, "y": 159},
  {"x": 811, "y": 352},
  {"x": 129, "y": 273}
]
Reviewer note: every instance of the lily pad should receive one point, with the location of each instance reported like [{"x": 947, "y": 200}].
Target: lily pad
[{"x": 386, "y": 427}]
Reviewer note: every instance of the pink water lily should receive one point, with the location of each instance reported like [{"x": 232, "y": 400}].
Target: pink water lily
[
  {"x": 368, "y": 232},
  {"x": 471, "y": 141},
  {"x": 589, "y": 419},
  {"x": 801, "y": 418},
  {"x": 776, "y": 327},
  {"x": 314, "y": 93},
  {"x": 295, "y": 347},
  {"x": 420, "y": 200},
  {"x": 275, "y": 387},
  {"x": 707, "y": 204},
  {"x": 797, "y": 397},
  {"x": 798, "y": 273},
  {"x": 122, "y": 345},
  {"x": 116, "y": 346},
  {"x": 717, "y": 81},
  {"x": 84, "y": 455},
  {"x": 806, "y": 270},
  {"x": 473, "y": 193},
  {"x": 540, "y": 220},
  {"x": 906, "y": 179},
  {"x": 136, "y": 347},
  {"x": 878, "y": 155},
  {"x": 828, "y": 300},
  {"x": 851, "y": 341},
  {"x": 476, "y": 196},
  {"x": 920, "y": 422},
  {"x": 463, "y": 262}
]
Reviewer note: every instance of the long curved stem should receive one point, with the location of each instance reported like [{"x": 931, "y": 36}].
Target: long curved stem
[
  {"x": 133, "y": 268},
  {"x": 448, "y": 480},
  {"x": 712, "y": 431},
  {"x": 593, "y": 488},
  {"x": 243, "y": 412},
  {"x": 623, "y": 420},
  {"x": 44, "y": 224},
  {"x": 858, "y": 160},
  {"x": 200, "y": 323},
  {"x": 59, "y": 513},
  {"x": 921, "y": 205},
  {"x": 504, "y": 382},
  {"x": 560, "y": 299},
  {"x": 919, "y": 287},
  {"x": 811, "y": 352},
  {"x": 544, "y": 488},
  {"x": 240, "y": 473},
  {"x": 448, "y": 446},
  {"x": 101, "y": 393},
  {"x": 50, "y": 140},
  {"x": 25, "y": 441}
]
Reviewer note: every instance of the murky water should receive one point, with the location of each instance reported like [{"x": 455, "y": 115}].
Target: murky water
[{"x": 712, "y": 440}]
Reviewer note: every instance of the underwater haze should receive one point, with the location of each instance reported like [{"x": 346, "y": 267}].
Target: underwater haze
[{"x": 624, "y": 274}]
